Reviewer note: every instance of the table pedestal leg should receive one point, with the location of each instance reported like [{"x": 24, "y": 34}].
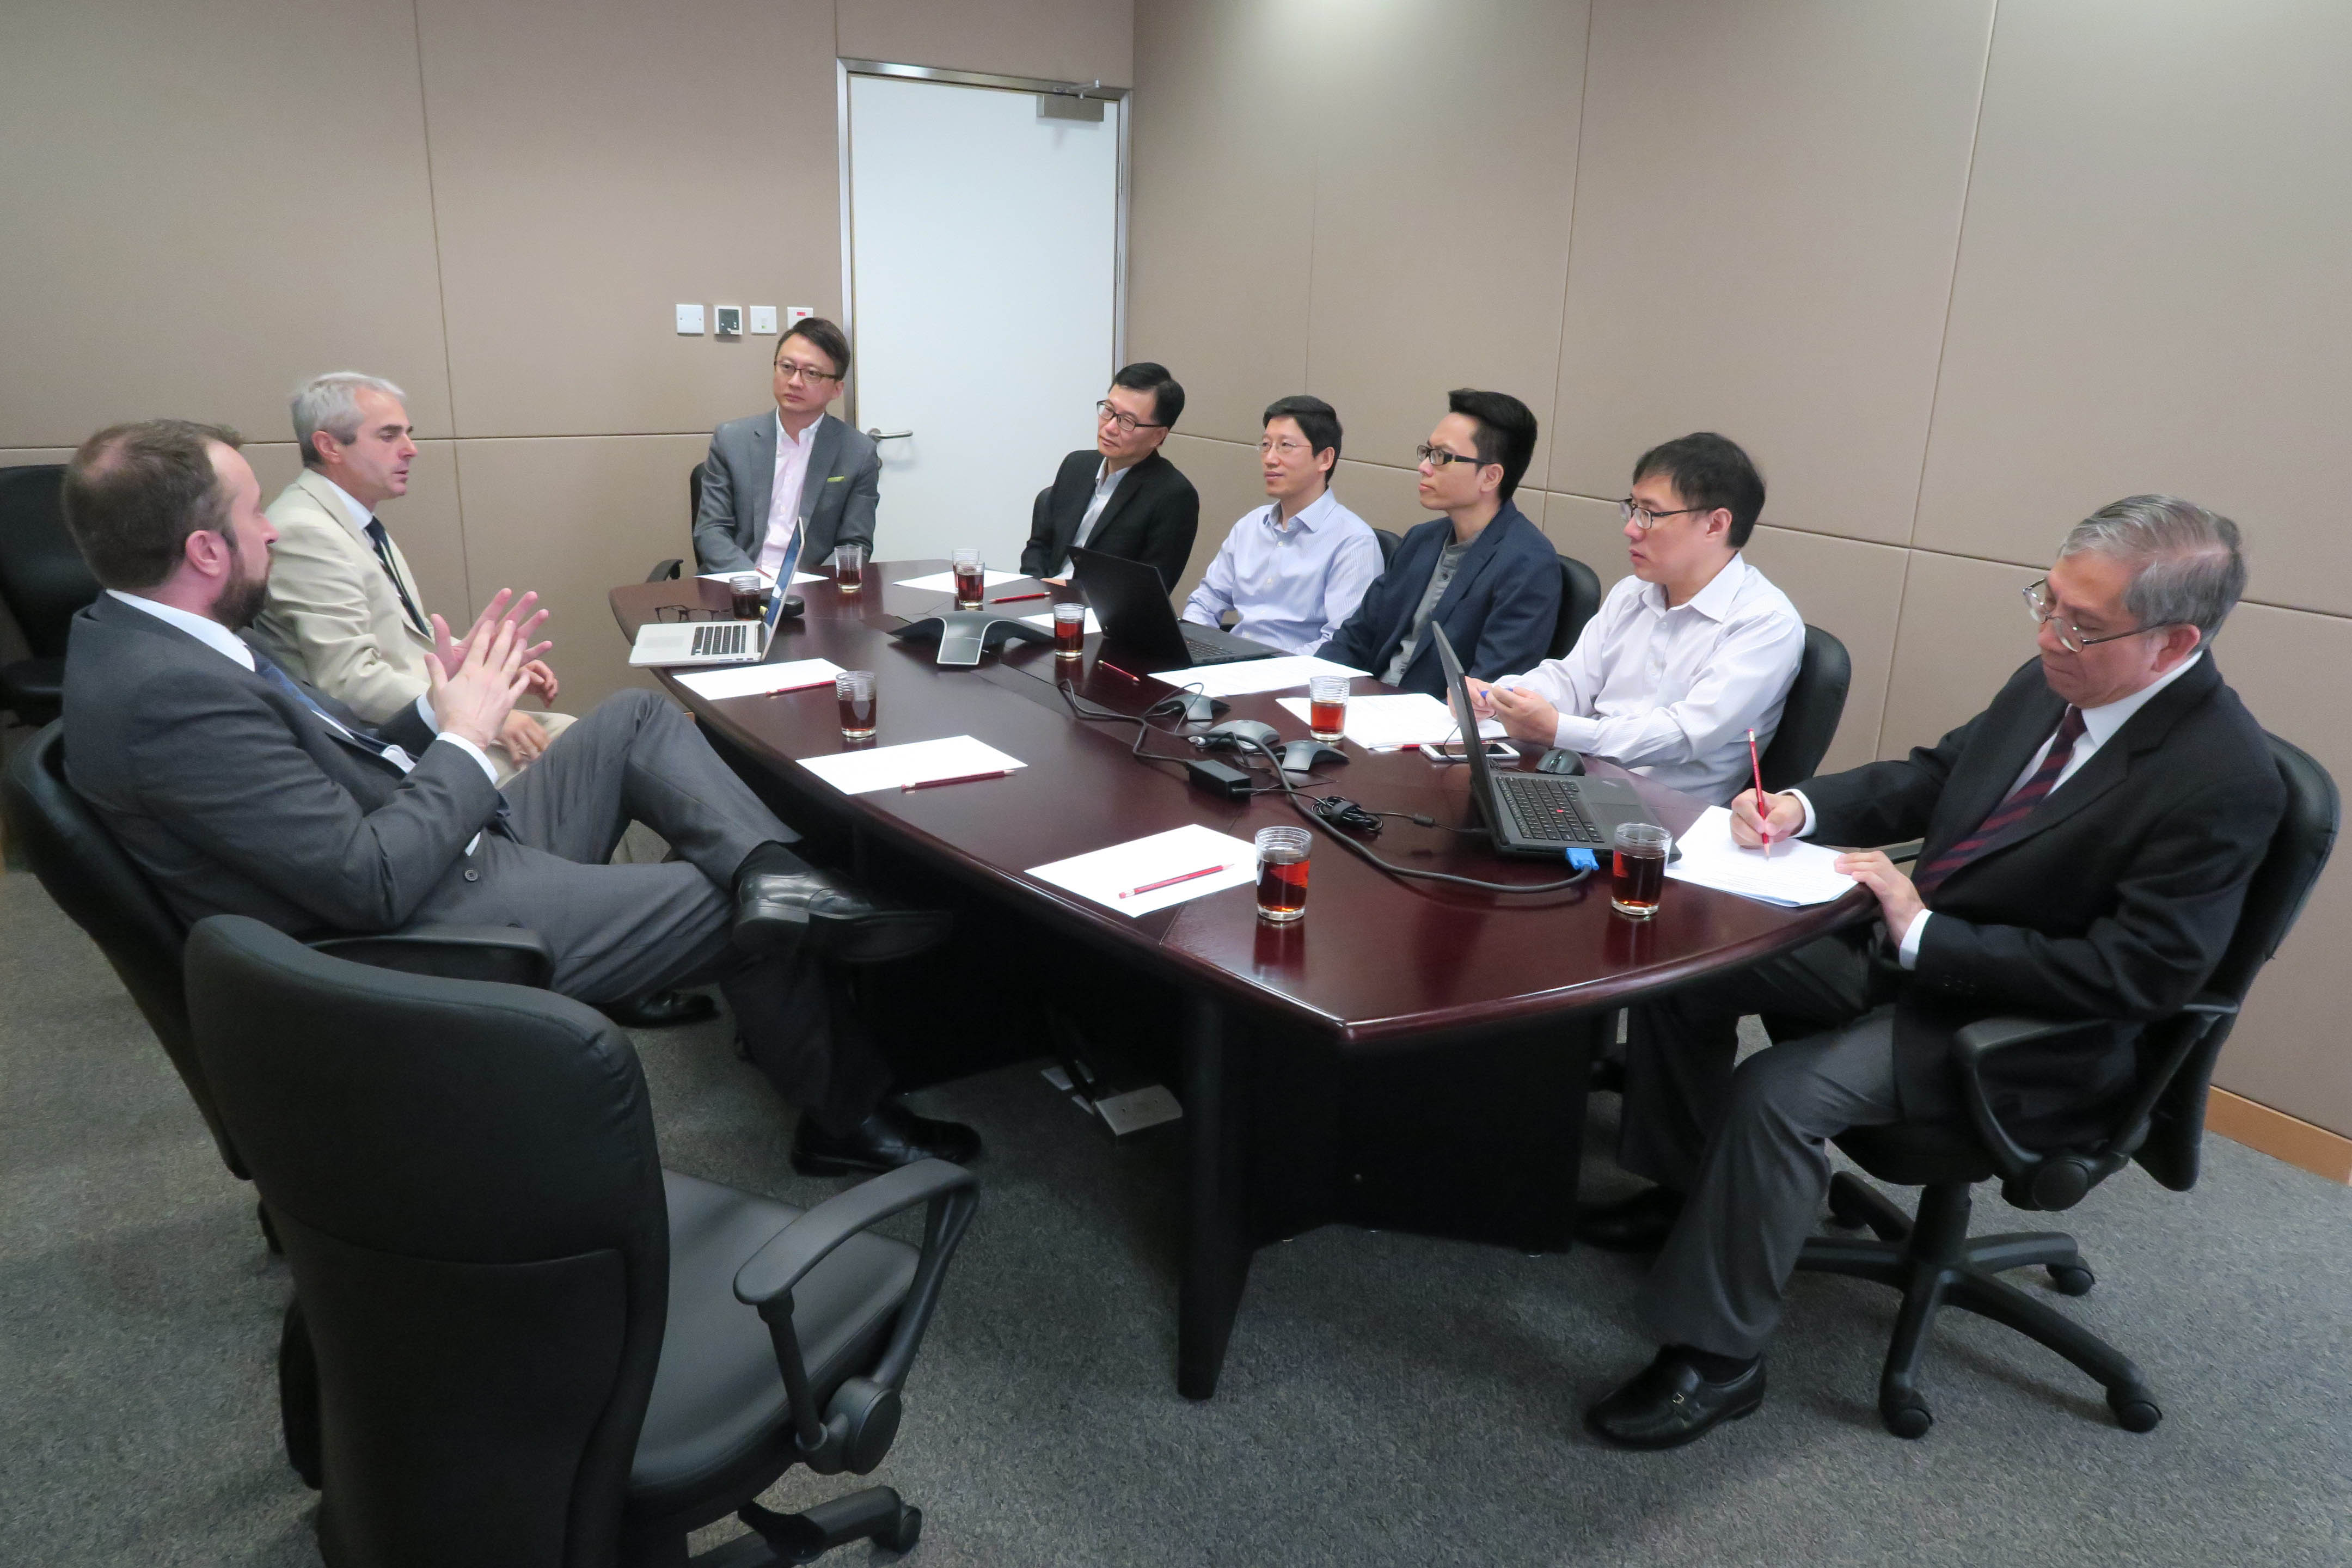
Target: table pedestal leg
[{"x": 1216, "y": 1243}]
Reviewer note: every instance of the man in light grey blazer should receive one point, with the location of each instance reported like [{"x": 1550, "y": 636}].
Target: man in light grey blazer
[
  {"x": 794, "y": 483},
  {"x": 238, "y": 789}
]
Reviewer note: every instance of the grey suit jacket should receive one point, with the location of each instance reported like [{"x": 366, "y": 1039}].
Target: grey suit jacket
[
  {"x": 236, "y": 798},
  {"x": 738, "y": 480}
]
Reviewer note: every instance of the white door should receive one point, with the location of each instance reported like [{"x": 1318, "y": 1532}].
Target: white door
[{"x": 984, "y": 300}]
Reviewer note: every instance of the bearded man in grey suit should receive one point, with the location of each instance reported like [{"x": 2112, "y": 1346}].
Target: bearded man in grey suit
[
  {"x": 238, "y": 789},
  {"x": 794, "y": 483}
]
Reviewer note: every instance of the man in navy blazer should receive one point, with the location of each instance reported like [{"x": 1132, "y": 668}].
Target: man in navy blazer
[{"x": 1483, "y": 570}]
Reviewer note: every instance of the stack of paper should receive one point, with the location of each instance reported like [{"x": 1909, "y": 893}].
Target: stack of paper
[
  {"x": 944, "y": 581},
  {"x": 1791, "y": 872},
  {"x": 1389, "y": 723},
  {"x": 765, "y": 580},
  {"x": 758, "y": 679},
  {"x": 918, "y": 762},
  {"x": 1253, "y": 675},
  {"x": 1147, "y": 874}
]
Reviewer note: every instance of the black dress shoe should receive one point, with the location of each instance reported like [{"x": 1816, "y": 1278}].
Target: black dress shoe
[
  {"x": 1671, "y": 1402},
  {"x": 774, "y": 908},
  {"x": 660, "y": 1009},
  {"x": 893, "y": 1136},
  {"x": 1638, "y": 1224}
]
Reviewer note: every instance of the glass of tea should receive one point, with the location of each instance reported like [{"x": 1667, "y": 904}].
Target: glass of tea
[
  {"x": 849, "y": 568},
  {"x": 1326, "y": 708},
  {"x": 970, "y": 581},
  {"x": 1069, "y": 631},
  {"x": 1282, "y": 873},
  {"x": 749, "y": 594},
  {"x": 1638, "y": 875},
  {"x": 853, "y": 691}
]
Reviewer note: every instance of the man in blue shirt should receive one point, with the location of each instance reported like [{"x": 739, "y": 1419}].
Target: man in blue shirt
[{"x": 1299, "y": 567}]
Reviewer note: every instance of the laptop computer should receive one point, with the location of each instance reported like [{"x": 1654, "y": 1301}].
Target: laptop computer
[
  {"x": 1536, "y": 814},
  {"x": 711, "y": 642},
  {"x": 1132, "y": 602}
]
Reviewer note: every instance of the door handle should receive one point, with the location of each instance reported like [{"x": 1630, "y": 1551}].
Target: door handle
[{"x": 878, "y": 434}]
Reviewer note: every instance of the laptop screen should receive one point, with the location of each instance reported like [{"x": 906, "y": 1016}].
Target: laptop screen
[{"x": 1465, "y": 719}]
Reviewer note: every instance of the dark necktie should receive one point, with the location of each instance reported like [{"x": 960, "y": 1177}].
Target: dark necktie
[
  {"x": 382, "y": 543},
  {"x": 2023, "y": 799}
]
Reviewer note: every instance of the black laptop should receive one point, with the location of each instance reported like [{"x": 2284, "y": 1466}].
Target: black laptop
[
  {"x": 1132, "y": 602},
  {"x": 1535, "y": 814}
]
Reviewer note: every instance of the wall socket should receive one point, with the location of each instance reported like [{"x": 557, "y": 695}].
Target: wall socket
[
  {"x": 764, "y": 321},
  {"x": 690, "y": 320},
  {"x": 798, "y": 313},
  {"x": 727, "y": 320}
]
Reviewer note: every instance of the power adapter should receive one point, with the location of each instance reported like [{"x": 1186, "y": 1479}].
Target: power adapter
[{"x": 1219, "y": 780}]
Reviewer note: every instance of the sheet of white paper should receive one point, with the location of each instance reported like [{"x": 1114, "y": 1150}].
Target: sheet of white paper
[
  {"x": 1254, "y": 675},
  {"x": 944, "y": 581},
  {"x": 917, "y": 761},
  {"x": 1795, "y": 872},
  {"x": 758, "y": 680},
  {"x": 1106, "y": 874},
  {"x": 765, "y": 580},
  {"x": 1389, "y": 723},
  {"x": 1046, "y": 621}
]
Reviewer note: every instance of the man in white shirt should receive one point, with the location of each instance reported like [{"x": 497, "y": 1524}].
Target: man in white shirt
[
  {"x": 1688, "y": 654},
  {"x": 1298, "y": 567}
]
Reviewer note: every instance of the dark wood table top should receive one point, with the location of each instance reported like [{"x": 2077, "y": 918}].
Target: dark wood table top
[{"x": 1378, "y": 960}]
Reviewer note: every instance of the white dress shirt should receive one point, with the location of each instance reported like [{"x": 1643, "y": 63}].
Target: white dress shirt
[
  {"x": 1105, "y": 481},
  {"x": 2099, "y": 726},
  {"x": 1671, "y": 693},
  {"x": 1293, "y": 583},
  {"x": 777, "y": 549}
]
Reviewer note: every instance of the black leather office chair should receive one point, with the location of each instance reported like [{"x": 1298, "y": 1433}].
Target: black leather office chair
[
  {"x": 1933, "y": 1260},
  {"x": 1579, "y": 601},
  {"x": 1808, "y": 718},
  {"x": 674, "y": 565},
  {"x": 519, "y": 1341},
  {"x": 1391, "y": 542},
  {"x": 104, "y": 892},
  {"x": 43, "y": 581}
]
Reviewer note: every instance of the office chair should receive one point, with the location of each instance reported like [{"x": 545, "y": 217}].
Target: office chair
[
  {"x": 43, "y": 581},
  {"x": 674, "y": 566},
  {"x": 1809, "y": 718},
  {"x": 519, "y": 1341},
  {"x": 1579, "y": 601},
  {"x": 1931, "y": 1259},
  {"x": 1391, "y": 542},
  {"x": 103, "y": 891}
]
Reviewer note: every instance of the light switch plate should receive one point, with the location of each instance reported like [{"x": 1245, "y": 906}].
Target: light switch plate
[
  {"x": 764, "y": 321},
  {"x": 798, "y": 313},
  {"x": 727, "y": 320},
  {"x": 690, "y": 320}
]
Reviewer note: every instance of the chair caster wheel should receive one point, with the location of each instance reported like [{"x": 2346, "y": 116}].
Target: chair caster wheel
[
  {"x": 902, "y": 1536},
  {"x": 2072, "y": 1278},
  {"x": 1907, "y": 1421},
  {"x": 2135, "y": 1415}
]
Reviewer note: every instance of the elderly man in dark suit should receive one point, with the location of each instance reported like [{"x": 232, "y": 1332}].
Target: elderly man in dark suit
[
  {"x": 1120, "y": 496},
  {"x": 239, "y": 790},
  {"x": 792, "y": 484},
  {"x": 2088, "y": 841}
]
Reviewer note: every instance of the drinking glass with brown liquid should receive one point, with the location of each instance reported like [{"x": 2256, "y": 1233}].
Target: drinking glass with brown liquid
[
  {"x": 1282, "y": 873},
  {"x": 1326, "y": 708},
  {"x": 849, "y": 568},
  {"x": 750, "y": 594},
  {"x": 853, "y": 692},
  {"x": 971, "y": 580},
  {"x": 1638, "y": 877},
  {"x": 1069, "y": 631}
]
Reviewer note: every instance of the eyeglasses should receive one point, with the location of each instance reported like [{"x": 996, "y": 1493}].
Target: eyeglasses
[
  {"x": 1106, "y": 413},
  {"x": 1642, "y": 517},
  {"x": 1288, "y": 448},
  {"x": 674, "y": 614},
  {"x": 1438, "y": 457},
  {"x": 2043, "y": 607},
  {"x": 792, "y": 370}
]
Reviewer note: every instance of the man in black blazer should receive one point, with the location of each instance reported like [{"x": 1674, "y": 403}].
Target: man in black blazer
[
  {"x": 2088, "y": 840},
  {"x": 237, "y": 789},
  {"x": 1120, "y": 496},
  {"x": 1483, "y": 570},
  {"x": 826, "y": 473}
]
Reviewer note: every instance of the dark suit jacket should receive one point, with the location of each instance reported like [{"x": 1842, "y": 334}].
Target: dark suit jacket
[
  {"x": 2113, "y": 899},
  {"x": 234, "y": 798},
  {"x": 1150, "y": 518},
  {"x": 1499, "y": 611},
  {"x": 739, "y": 483}
]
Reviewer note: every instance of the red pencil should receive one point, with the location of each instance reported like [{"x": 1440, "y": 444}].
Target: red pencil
[
  {"x": 1016, "y": 598},
  {"x": 1106, "y": 664},
  {"x": 1762, "y": 812},
  {"x": 964, "y": 778},
  {"x": 1172, "y": 881}
]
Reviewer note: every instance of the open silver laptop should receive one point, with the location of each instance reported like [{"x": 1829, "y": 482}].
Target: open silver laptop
[{"x": 711, "y": 642}]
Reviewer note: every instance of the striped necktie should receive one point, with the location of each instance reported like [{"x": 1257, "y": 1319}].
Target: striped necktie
[{"x": 2023, "y": 799}]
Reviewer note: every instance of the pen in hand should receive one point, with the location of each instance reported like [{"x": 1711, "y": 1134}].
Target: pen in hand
[{"x": 1763, "y": 811}]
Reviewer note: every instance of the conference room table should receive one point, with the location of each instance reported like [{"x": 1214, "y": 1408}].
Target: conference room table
[{"x": 1409, "y": 1055}]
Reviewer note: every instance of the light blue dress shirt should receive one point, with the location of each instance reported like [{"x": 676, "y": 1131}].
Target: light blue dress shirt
[{"x": 1293, "y": 585}]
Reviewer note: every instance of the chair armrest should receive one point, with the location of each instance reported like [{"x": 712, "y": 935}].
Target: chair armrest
[
  {"x": 665, "y": 570},
  {"x": 1974, "y": 1043},
  {"x": 512, "y": 955}
]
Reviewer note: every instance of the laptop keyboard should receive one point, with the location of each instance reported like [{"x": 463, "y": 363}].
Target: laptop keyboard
[
  {"x": 1211, "y": 653},
  {"x": 1549, "y": 810},
  {"x": 723, "y": 639}
]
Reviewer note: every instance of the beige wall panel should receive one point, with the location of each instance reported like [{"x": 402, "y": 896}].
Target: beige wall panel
[
  {"x": 1221, "y": 230},
  {"x": 595, "y": 165},
  {"x": 1231, "y": 483},
  {"x": 1588, "y": 529},
  {"x": 1854, "y": 591},
  {"x": 164, "y": 252},
  {"x": 1383, "y": 497},
  {"x": 22, "y": 457},
  {"x": 1963, "y": 631},
  {"x": 1060, "y": 40},
  {"x": 2151, "y": 288},
  {"x": 572, "y": 518},
  {"x": 2288, "y": 1049},
  {"x": 1448, "y": 164},
  {"x": 1767, "y": 204}
]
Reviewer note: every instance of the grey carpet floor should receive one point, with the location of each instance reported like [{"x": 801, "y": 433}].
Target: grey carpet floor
[{"x": 1388, "y": 1399}]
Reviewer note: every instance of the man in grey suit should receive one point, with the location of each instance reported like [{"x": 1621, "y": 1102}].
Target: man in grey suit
[
  {"x": 795, "y": 483},
  {"x": 238, "y": 789}
]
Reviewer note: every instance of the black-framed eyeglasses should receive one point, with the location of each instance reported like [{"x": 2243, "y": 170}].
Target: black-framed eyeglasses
[
  {"x": 1438, "y": 457},
  {"x": 1108, "y": 412},
  {"x": 1642, "y": 517},
  {"x": 674, "y": 614},
  {"x": 792, "y": 370},
  {"x": 2043, "y": 607}
]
